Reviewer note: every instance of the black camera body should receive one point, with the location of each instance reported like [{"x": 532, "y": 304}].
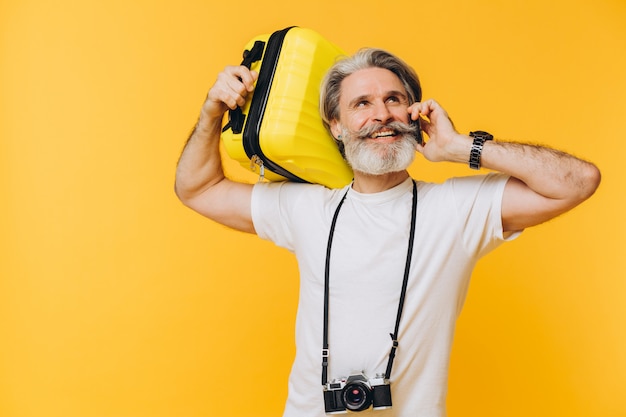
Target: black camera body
[{"x": 357, "y": 393}]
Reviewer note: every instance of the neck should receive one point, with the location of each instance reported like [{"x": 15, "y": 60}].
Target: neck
[{"x": 367, "y": 184}]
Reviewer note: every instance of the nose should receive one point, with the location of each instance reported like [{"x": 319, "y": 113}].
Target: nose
[{"x": 381, "y": 113}]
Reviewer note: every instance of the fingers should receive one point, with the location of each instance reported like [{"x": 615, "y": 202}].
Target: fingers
[
  {"x": 424, "y": 108},
  {"x": 421, "y": 111},
  {"x": 426, "y": 112},
  {"x": 232, "y": 87},
  {"x": 432, "y": 115},
  {"x": 244, "y": 75},
  {"x": 436, "y": 124},
  {"x": 413, "y": 111}
]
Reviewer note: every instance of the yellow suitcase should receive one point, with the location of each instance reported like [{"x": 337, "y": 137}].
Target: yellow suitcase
[{"x": 279, "y": 133}]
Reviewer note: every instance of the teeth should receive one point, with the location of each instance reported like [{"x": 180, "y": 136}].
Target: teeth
[{"x": 383, "y": 134}]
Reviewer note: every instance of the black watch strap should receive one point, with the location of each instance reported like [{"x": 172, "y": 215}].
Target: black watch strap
[{"x": 480, "y": 138}]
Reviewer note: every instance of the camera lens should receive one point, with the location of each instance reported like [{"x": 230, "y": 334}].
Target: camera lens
[{"x": 357, "y": 396}]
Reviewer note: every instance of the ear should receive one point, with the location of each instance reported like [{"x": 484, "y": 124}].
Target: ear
[{"x": 335, "y": 129}]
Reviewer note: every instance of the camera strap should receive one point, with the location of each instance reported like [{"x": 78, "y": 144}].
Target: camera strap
[{"x": 394, "y": 335}]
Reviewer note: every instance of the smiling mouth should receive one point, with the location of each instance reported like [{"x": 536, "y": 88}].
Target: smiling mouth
[{"x": 385, "y": 134}]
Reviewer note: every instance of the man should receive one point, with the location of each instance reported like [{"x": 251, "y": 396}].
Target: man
[{"x": 370, "y": 103}]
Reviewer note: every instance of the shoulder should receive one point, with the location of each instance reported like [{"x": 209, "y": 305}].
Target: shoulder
[
  {"x": 283, "y": 210},
  {"x": 289, "y": 198},
  {"x": 473, "y": 184},
  {"x": 458, "y": 195},
  {"x": 288, "y": 191}
]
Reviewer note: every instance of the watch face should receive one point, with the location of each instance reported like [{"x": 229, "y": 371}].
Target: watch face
[{"x": 482, "y": 135}]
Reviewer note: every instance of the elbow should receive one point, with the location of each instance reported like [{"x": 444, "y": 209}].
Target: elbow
[
  {"x": 583, "y": 184},
  {"x": 180, "y": 195},
  {"x": 178, "y": 191},
  {"x": 183, "y": 195},
  {"x": 590, "y": 180}
]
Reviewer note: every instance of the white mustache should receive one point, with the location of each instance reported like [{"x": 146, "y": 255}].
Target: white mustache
[{"x": 399, "y": 128}]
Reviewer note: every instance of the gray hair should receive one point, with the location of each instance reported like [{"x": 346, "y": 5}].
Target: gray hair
[{"x": 365, "y": 58}]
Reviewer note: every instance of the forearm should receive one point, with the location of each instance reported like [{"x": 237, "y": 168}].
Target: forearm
[
  {"x": 200, "y": 164},
  {"x": 544, "y": 182},
  {"x": 200, "y": 181},
  {"x": 551, "y": 173}
]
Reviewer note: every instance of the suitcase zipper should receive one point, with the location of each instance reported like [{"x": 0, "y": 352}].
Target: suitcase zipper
[
  {"x": 257, "y": 108},
  {"x": 254, "y": 162}
]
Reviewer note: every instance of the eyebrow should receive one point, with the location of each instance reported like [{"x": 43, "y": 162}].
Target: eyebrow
[{"x": 367, "y": 97}]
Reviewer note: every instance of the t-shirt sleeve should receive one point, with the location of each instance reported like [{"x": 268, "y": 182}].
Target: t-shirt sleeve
[
  {"x": 479, "y": 206},
  {"x": 269, "y": 219}
]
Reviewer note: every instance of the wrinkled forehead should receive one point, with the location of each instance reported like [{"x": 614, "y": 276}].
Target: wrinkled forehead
[{"x": 370, "y": 83}]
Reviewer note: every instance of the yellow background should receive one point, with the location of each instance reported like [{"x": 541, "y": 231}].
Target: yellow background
[{"x": 116, "y": 301}]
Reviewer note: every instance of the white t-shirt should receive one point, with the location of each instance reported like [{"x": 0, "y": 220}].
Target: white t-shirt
[{"x": 457, "y": 222}]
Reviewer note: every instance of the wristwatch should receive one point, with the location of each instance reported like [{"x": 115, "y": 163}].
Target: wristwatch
[{"x": 480, "y": 138}]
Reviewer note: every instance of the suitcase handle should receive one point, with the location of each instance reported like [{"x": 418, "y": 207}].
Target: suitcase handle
[{"x": 236, "y": 117}]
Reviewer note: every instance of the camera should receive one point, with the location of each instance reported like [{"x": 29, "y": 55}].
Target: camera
[{"x": 357, "y": 393}]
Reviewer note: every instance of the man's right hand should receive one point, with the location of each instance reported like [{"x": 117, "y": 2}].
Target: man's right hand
[
  {"x": 230, "y": 90},
  {"x": 200, "y": 181}
]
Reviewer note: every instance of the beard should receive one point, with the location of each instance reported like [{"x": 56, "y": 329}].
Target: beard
[{"x": 376, "y": 158}]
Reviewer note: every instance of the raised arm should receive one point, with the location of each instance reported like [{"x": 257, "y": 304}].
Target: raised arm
[
  {"x": 544, "y": 182},
  {"x": 200, "y": 181}
]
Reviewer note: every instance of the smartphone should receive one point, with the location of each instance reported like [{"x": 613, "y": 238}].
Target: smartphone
[{"x": 418, "y": 132}]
